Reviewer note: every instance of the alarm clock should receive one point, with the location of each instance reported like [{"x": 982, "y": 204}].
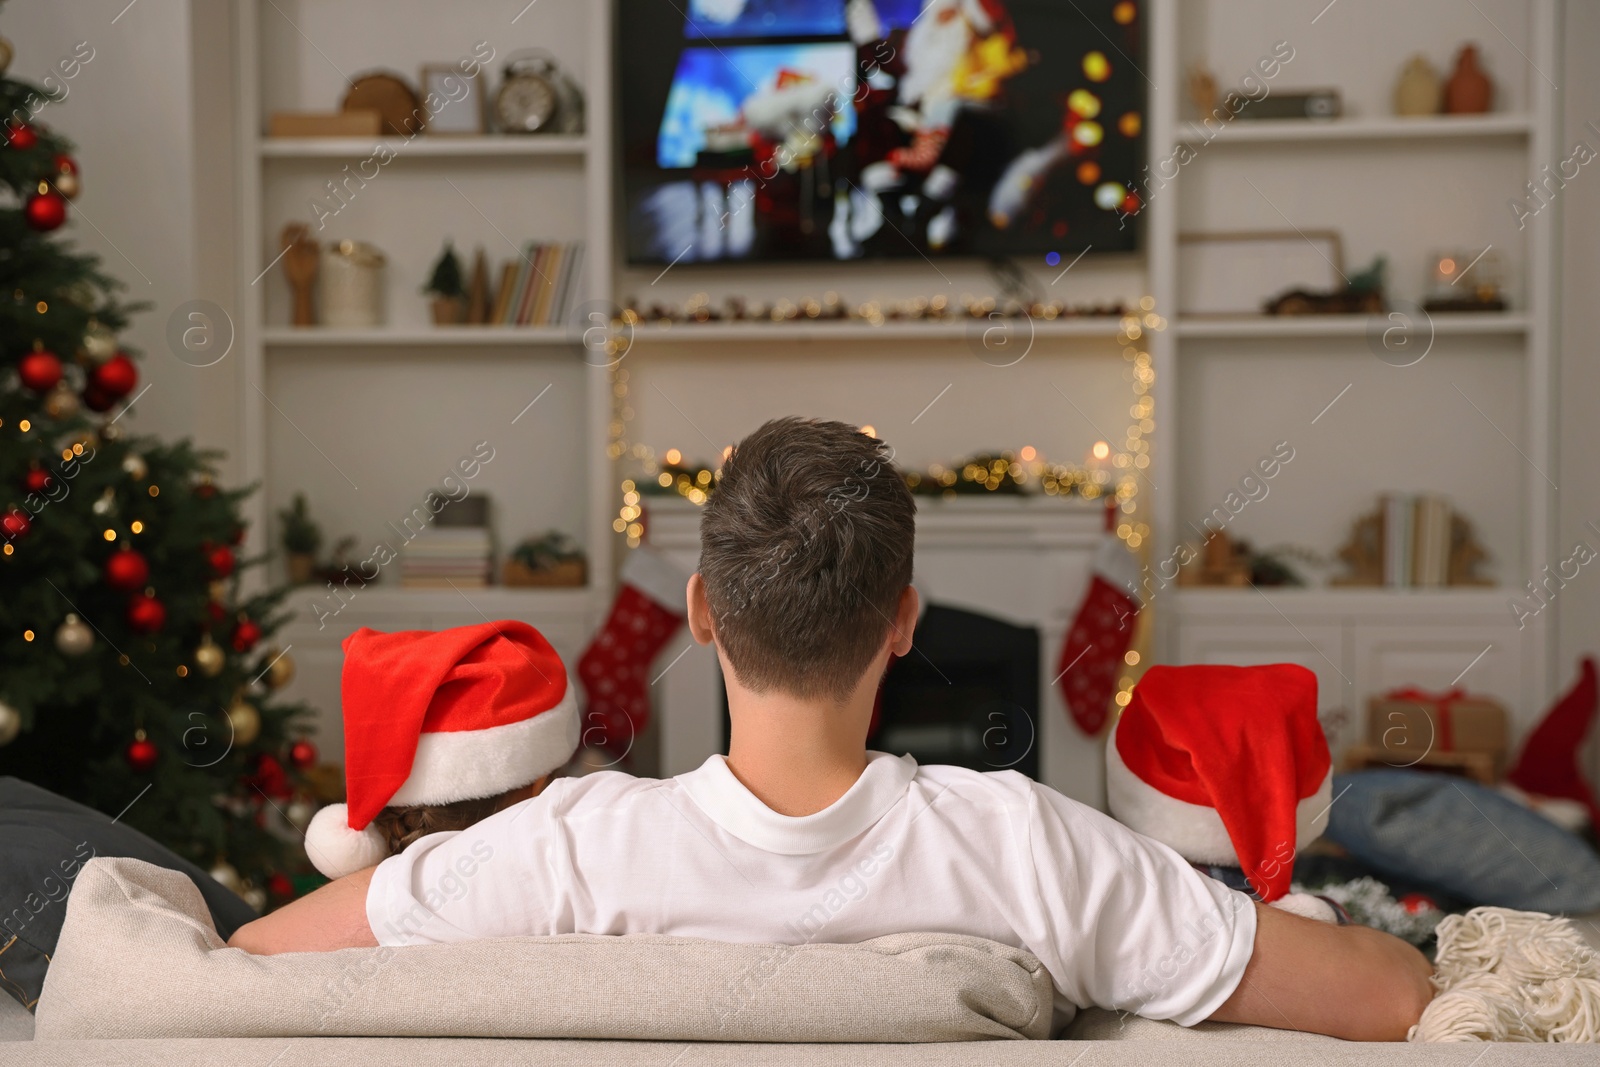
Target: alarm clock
[{"x": 536, "y": 96}]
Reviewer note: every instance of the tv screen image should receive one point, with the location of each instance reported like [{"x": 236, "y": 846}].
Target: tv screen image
[{"x": 771, "y": 130}]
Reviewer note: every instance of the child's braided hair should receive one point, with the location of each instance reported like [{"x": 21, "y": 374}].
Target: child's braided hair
[{"x": 402, "y": 824}]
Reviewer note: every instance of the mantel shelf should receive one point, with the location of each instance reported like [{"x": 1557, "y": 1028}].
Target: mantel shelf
[
  {"x": 1097, "y": 326},
  {"x": 419, "y": 336},
  {"x": 1271, "y": 326},
  {"x": 438, "y": 146},
  {"x": 1376, "y": 128}
]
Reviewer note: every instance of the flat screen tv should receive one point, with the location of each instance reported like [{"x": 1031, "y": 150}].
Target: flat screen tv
[{"x": 772, "y": 130}]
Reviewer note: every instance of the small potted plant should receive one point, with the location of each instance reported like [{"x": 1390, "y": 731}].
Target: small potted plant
[
  {"x": 553, "y": 560},
  {"x": 448, "y": 290},
  {"x": 301, "y": 539}
]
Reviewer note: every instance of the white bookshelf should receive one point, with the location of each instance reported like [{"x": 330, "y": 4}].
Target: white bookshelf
[
  {"x": 316, "y": 402},
  {"x": 1357, "y": 174}
]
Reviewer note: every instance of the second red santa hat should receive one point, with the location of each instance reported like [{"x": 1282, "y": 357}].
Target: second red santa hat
[
  {"x": 433, "y": 718},
  {"x": 1226, "y": 765}
]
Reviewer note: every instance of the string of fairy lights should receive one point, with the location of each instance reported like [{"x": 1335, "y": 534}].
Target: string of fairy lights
[{"x": 1110, "y": 471}]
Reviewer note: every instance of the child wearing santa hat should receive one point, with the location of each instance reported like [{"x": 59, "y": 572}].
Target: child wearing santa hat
[
  {"x": 441, "y": 731},
  {"x": 1228, "y": 766}
]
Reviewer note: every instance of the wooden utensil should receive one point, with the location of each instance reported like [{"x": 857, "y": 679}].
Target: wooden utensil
[{"x": 300, "y": 262}]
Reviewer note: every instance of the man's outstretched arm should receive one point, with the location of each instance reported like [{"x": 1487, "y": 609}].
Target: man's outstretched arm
[
  {"x": 1352, "y": 982},
  {"x": 334, "y": 916}
]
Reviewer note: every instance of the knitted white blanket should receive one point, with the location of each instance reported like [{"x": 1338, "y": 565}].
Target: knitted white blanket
[{"x": 1508, "y": 975}]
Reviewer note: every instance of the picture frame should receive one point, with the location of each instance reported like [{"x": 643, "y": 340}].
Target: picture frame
[
  {"x": 1228, "y": 274},
  {"x": 463, "y": 113}
]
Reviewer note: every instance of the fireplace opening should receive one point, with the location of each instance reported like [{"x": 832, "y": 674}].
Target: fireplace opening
[{"x": 967, "y": 695}]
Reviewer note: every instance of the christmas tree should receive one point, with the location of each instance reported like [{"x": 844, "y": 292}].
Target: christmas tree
[{"x": 135, "y": 674}]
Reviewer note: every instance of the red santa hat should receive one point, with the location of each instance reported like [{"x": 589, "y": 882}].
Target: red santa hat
[
  {"x": 1227, "y": 765},
  {"x": 433, "y": 718}
]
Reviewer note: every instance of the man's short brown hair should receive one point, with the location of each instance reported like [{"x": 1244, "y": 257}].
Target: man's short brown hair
[{"x": 805, "y": 549}]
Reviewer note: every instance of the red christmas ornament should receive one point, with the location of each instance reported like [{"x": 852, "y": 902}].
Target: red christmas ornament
[
  {"x": 45, "y": 211},
  {"x": 22, "y": 137},
  {"x": 39, "y": 370},
  {"x": 221, "y": 560},
  {"x": 37, "y": 480},
  {"x": 245, "y": 635},
  {"x": 1418, "y": 902},
  {"x": 146, "y": 614},
  {"x": 303, "y": 754},
  {"x": 237, "y": 536},
  {"x": 98, "y": 399},
  {"x": 215, "y": 612},
  {"x": 142, "y": 753},
  {"x": 14, "y": 524},
  {"x": 127, "y": 571},
  {"x": 116, "y": 376},
  {"x": 270, "y": 777},
  {"x": 278, "y": 884}
]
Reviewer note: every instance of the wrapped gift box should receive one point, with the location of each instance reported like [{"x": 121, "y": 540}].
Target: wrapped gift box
[{"x": 1409, "y": 727}]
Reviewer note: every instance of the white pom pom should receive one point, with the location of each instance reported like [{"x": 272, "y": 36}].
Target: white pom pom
[
  {"x": 336, "y": 850},
  {"x": 1307, "y": 905}
]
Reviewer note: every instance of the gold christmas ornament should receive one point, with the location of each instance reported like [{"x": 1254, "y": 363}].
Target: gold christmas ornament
[
  {"x": 68, "y": 184},
  {"x": 6, "y": 54},
  {"x": 99, "y": 342},
  {"x": 245, "y": 721},
  {"x": 10, "y": 723},
  {"x": 209, "y": 657},
  {"x": 135, "y": 466},
  {"x": 281, "y": 672},
  {"x": 61, "y": 403},
  {"x": 74, "y": 637},
  {"x": 227, "y": 876}
]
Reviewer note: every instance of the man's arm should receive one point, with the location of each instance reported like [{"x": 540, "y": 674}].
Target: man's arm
[
  {"x": 334, "y": 916},
  {"x": 1352, "y": 982}
]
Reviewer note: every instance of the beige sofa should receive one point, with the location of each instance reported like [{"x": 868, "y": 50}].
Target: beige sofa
[{"x": 139, "y": 976}]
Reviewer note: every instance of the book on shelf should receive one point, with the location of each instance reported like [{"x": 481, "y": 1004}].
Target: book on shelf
[
  {"x": 448, "y": 555},
  {"x": 1416, "y": 540},
  {"x": 538, "y": 287}
]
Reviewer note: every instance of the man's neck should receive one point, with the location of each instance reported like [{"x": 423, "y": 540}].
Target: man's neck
[{"x": 797, "y": 756}]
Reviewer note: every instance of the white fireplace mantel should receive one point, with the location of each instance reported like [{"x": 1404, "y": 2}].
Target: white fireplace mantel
[{"x": 1020, "y": 559}]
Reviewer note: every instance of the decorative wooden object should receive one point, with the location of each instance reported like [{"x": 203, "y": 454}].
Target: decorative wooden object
[
  {"x": 300, "y": 265},
  {"x": 1222, "y": 562},
  {"x": 1418, "y": 92},
  {"x": 356, "y": 122},
  {"x": 1465, "y": 554},
  {"x": 569, "y": 573},
  {"x": 1203, "y": 91},
  {"x": 1469, "y": 90},
  {"x": 390, "y": 96}
]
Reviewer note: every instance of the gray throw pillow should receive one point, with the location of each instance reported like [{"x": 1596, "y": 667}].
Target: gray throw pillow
[
  {"x": 1469, "y": 841},
  {"x": 44, "y": 842}
]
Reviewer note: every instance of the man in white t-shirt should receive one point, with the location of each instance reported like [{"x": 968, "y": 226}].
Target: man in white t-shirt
[{"x": 800, "y": 834}]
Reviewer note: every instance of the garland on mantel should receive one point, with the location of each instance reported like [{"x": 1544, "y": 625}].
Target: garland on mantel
[{"x": 1111, "y": 472}]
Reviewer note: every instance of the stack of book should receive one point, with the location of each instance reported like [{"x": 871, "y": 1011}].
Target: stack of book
[
  {"x": 538, "y": 289},
  {"x": 446, "y": 554},
  {"x": 1416, "y": 540}
]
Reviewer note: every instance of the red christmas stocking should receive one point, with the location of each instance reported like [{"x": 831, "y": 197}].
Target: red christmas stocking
[
  {"x": 1101, "y": 631},
  {"x": 1548, "y": 763},
  {"x": 649, "y": 608}
]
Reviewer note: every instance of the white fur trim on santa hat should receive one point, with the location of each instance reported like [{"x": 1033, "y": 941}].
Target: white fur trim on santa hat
[
  {"x": 467, "y": 764},
  {"x": 1307, "y": 905},
  {"x": 336, "y": 850},
  {"x": 1193, "y": 831},
  {"x": 657, "y": 578}
]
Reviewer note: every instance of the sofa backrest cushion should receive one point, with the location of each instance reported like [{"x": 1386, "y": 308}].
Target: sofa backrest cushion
[{"x": 138, "y": 957}]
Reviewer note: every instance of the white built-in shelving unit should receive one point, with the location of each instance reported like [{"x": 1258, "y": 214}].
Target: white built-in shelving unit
[{"x": 328, "y": 410}]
